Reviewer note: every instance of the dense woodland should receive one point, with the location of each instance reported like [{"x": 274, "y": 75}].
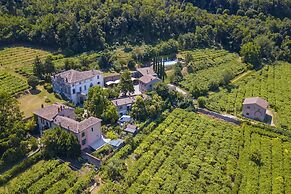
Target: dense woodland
[
  {"x": 76, "y": 26},
  {"x": 249, "y": 8}
]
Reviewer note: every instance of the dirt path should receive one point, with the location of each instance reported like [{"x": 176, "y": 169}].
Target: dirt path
[{"x": 241, "y": 76}]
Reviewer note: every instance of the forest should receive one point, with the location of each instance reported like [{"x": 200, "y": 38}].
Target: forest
[{"x": 77, "y": 26}]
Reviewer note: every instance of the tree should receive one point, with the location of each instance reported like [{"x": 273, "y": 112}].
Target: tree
[
  {"x": 38, "y": 67},
  {"x": 110, "y": 115},
  {"x": 177, "y": 76},
  {"x": 251, "y": 53},
  {"x": 49, "y": 67},
  {"x": 126, "y": 84},
  {"x": 9, "y": 111},
  {"x": 115, "y": 169},
  {"x": 100, "y": 106},
  {"x": 131, "y": 64},
  {"x": 139, "y": 109},
  {"x": 33, "y": 81},
  {"x": 105, "y": 60},
  {"x": 202, "y": 101},
  {"x": 60, "y": 143}
]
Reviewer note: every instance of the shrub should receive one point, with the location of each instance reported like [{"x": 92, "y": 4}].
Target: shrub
[{"x": 48, "y": 87}]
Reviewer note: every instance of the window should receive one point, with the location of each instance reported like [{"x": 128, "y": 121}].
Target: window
[
  {"x": 247, "y": 114},
  {"x": 92, "y": 129},
  {"x": 98, "y": 83},
  {"x": 74, "y": 91},
  {"x": 97, "y": 76},
  {"x": 248, "y": 107},
  {"x": 83, "y": 134},
  {"x": 80, "y": 89},
  {"x": 85, "y": 87},
  {"x": 80, "y": 82},
  {"x": 83, "y": 141},
  {"x": 91, "y": 85}
]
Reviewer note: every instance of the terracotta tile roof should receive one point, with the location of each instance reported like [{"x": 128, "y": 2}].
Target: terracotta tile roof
[
  {"x": 256, "y": 100},
  {"x": 147, "y": 71},
  {"x": 124, "y": 101},
  {"x": 75, "y": 126},
  {"x": 73, "y": 76},
  {"x": 50, "y": 112},
  {"x": 147, "y": 79}
]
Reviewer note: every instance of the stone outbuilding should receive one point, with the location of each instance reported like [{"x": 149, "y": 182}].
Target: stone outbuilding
[{"x": 255, "y": 108}]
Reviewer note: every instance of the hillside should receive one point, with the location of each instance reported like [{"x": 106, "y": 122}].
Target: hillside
[
  {"x": 190, "y": 153},
  {"x": 271, "y": 83},
  {"x": 79, "y": 25}
]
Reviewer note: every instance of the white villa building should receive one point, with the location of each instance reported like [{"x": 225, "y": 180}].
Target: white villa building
[
  {"x": 88, "y": 131},
  {"x": 74, "y": 85}
]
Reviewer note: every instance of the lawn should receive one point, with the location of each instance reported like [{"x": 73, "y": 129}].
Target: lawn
[
  {"x": 31, "y": 102},
  {"x": 191, "y": 153},
  {"x": 271, "y": 83}
]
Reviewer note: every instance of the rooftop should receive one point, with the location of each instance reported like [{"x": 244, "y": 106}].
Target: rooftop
[
  {"x": 147, "y": 79},
  {"x": 147, "y": 71},
  {"x": 73, "y": 76},
  {"x": 50, "y": 112},
  {"x": 75, "y": 126},
  {"x": 130, "y": 128},
  {"x": 124, "y": 101},
  {"x": 256, "y": 100}
]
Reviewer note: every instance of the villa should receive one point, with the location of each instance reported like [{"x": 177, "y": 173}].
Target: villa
[
  {"x": 74, "y": 85},
  {"x": 88, "y": 131}
]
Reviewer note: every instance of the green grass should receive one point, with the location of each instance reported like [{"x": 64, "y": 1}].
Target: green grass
[
  {"x": 191, "y": 153},
  {"x": 31, "y": 102},
  {"x": 271, "y": 83}
]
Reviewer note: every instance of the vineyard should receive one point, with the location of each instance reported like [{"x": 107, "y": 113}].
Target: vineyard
[
  {"x": 209, "y": 69},
  {"x": 48, "y": 177},
  {"x": 12, "y": 84},
  {"x": 20, "y": 58},
  {"x": 271, "y": 83},
  {"x": 189, "y": 153}
]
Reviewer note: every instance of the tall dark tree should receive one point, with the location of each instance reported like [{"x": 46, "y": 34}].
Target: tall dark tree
[
  {"x": 38, "y": 67},
  {"x": 49, "y": 67},
  {"x": 126, "y": 84}
]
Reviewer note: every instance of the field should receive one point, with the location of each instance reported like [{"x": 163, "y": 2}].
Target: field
[
  {"x": 20, "y": 59},
  {"x": 12, "y": 84},
  {"x": 208, "y": 69},
  {"x": 271, "y": 83},
  {"x": 49, "y": 177},
  {"x": 190, "y": 153}
]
